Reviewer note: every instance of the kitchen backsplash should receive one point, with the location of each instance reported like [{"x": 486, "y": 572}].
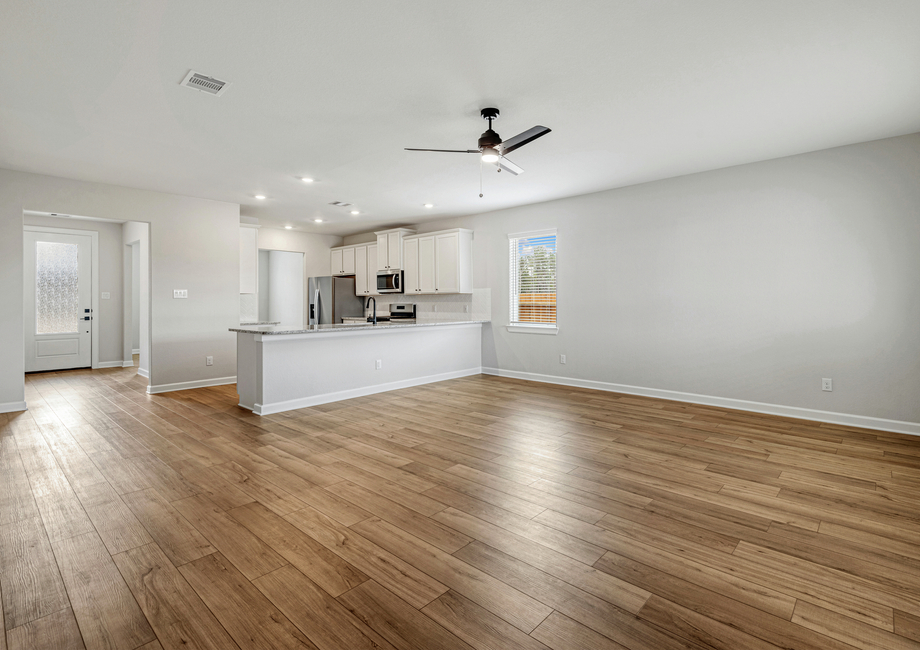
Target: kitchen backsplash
[
  {"x": 475, "y": 306},
  {"x": 464, "y": 306}
]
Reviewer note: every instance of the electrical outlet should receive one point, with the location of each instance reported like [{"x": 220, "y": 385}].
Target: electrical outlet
[
  {"x": 209, "y": 361},
  {"x": 466, "y": 309},
  {"x": 827, "y": 384},
  {"x": 106, "y": 295},
  {"x": 180, "y": 293},
  {"x": 434, "y": 308},
  {"x": 561, "y": 358},
  {"x": 379, "y": 364}
]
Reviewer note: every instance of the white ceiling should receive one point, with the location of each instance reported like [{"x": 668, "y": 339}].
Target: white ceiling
[{"x": 634, "y": 91}]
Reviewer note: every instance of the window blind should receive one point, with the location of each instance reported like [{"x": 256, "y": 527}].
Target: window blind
[{"x": 533, "y": 278}]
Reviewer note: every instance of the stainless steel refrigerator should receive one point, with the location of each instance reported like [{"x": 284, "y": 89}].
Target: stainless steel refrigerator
[{"x": 332, "y": 299}]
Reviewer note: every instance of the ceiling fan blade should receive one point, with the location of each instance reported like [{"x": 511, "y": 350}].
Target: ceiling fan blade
[
  {"x": 521, "y": 139},
  {"x": 509, "y": 166},
  {"x": 447, "y": 150}
]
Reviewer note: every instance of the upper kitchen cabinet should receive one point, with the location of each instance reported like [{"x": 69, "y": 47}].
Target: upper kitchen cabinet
[
  {"x": 249, "y": 259},
  {"x": 343, "y": 260},
  {"x": 439, "y": 262},
  {"x": 390, "y": 248},
  {"x": 366, "y": 270}
]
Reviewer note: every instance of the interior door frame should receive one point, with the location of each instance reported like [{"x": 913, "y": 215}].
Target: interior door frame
[{"x": 94, "y": 301}]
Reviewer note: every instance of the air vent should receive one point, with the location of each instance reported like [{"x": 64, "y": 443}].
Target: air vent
[
  {"x": 340, "y": 204},
  {"x": 204, "y": 83}
]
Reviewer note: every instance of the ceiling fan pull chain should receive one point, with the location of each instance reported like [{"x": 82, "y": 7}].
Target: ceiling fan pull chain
[{"x": 480, "y": 178}]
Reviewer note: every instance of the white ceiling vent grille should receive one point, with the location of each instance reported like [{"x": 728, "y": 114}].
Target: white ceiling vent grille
[
  {"x": 204, "y": 83},
  {"x": 340, "y": 204}
]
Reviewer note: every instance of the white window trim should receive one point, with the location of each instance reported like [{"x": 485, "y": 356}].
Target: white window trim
[
  {"x": 521, "y": 328},
  {"x": 532, "y": 329}
]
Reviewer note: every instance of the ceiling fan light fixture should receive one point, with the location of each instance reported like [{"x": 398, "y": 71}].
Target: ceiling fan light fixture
[{"x": 490, "y": 155}]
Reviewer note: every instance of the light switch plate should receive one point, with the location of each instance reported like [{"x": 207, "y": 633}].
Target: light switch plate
[
  {"x": 180, "y": 293},
  {"x": 106, "y": 295}
]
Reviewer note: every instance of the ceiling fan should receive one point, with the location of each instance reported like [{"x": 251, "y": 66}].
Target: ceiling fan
[{"x": 493, "y": 148}]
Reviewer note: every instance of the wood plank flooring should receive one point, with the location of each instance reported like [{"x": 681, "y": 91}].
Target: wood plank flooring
[{"x": 479, "y": 513}]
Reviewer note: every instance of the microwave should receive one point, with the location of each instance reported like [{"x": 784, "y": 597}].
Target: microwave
[{"x": 390, "y": 282}]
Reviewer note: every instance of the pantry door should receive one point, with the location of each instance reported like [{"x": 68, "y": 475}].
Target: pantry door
[{"x": 58, "y": 300}]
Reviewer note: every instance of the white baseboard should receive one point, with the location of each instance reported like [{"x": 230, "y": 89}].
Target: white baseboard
[
  {"x": 12, "y": 407},
  {"x": 846, "y": 419},
  {"x": 110, "y": 364},
  {"x": 136, "y": 351},
  {"x": 143, "y": 373},
  {"x": 186, "y": 385},
  {"x": 127, "y": 364},
  {"x": 304, "y": 402}
]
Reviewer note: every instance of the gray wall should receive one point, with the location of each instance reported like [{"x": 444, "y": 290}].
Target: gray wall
[
  {"x": 751, "y": 282},
  {"x": 109, "y": 318},
  {"x": 194, "y": 245}
]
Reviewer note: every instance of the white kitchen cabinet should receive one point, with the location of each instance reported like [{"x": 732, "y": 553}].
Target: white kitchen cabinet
[
  {"x": 366, "y": 270},
  {"x": 439, "y": 262},
  {"x": 343, "y": 260},
  {"x": 249, "y": 259},
  {"x": 390, "y": 248},
  {"x": 427, "y": 265},
  {"x": 447, "y": 254},
  {"x": 372, "y": 270},
  {"x": 410, "y": 261},
  {"x": 361, "y": 271},
  {"x": 348, "y": 261},
  {"x": 336, "y": 256}
]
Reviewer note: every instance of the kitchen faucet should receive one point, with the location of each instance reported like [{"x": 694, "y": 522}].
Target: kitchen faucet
[{"x": 375, "y": 307}]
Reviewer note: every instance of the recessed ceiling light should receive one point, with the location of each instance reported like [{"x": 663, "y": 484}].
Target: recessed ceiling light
[
  {"x": 318, "y": 220},
  {"x": 355, "y": 212},
  {"x": 429, "y": 205},
  {"x": 288, "y": 227},
  {"x": 260, "y": 196},
  {"x": 307, "y": 180}
]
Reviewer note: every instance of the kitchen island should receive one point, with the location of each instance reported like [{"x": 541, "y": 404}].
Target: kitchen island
[{"x": 282, "y": 369}]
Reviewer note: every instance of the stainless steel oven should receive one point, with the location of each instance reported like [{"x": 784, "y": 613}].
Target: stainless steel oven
[{"x": 390, "y": 282}]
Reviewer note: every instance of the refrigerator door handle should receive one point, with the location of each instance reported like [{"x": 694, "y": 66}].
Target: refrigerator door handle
[{"x": 316, "y": 307}]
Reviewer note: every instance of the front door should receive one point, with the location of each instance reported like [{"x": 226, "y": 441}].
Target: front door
[{"x": 57, "y": 292}]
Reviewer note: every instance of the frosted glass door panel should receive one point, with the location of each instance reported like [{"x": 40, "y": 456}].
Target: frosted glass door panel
[
  {"x": 57, "y": 292},
  {"x": 57, "y": 279}
]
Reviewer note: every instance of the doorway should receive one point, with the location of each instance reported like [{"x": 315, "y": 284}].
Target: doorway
[
  {"x": 281, "y": 288},
  {"x": 136, "y": 273},
  {"x": 60, "y": 274}
]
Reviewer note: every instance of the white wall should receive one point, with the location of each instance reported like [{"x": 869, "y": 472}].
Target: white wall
[
  {"x": 314, "y": 247},
  {"x": 194, "y": 245},
  {"x": 109, "y": 318},
  {"x": 286, "y": 288},
  {"x": 752, "y": 282},
  {"x": 263, "y": 286}
]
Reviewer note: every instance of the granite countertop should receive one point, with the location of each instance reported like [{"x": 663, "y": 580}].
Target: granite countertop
[
  {"x": 263, "y": 322},
  {"x": 270, "y": 329}
]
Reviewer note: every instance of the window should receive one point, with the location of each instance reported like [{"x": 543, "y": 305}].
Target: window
[{"x": 532, "y": 257}]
